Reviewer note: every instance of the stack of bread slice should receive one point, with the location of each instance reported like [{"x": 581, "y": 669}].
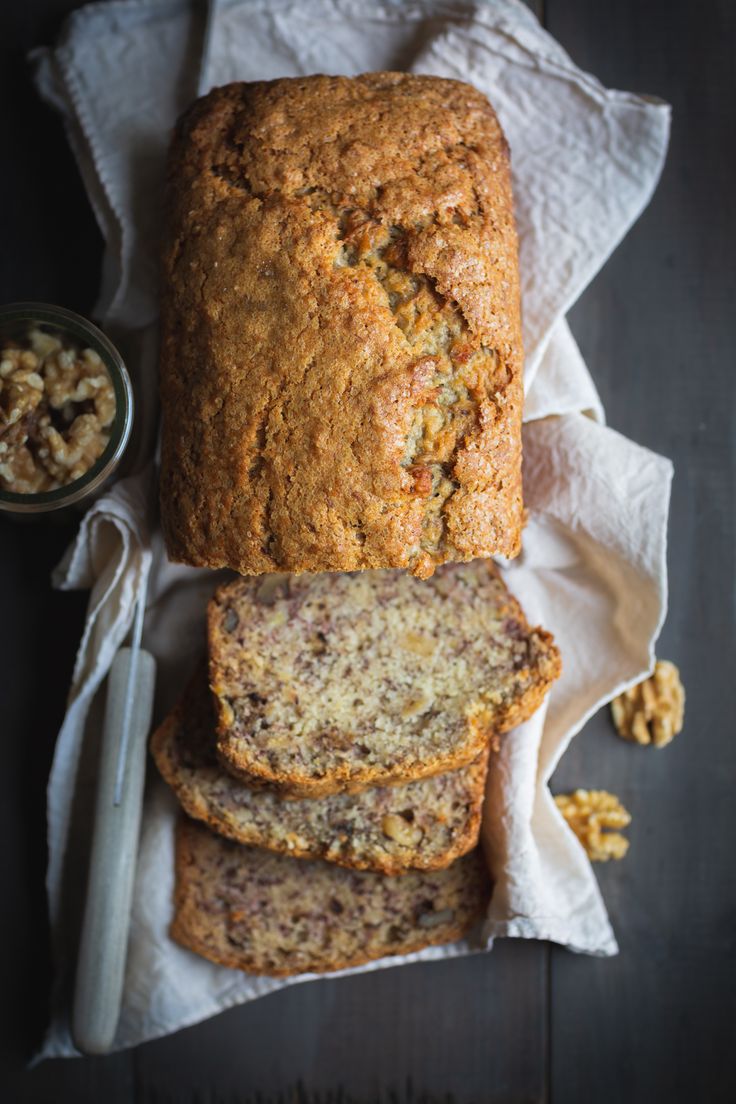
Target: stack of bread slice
[
  {"x": 331, "y": 759},
  {"x": 342, "y": 392}
]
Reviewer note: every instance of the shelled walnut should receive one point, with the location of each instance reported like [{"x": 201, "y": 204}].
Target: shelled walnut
[
  {"x": 594, "y": 816},
  {"x": 57, "y": 405},
  {"x": 400, "y": 829},
  {"x": 652, "y": 712}
]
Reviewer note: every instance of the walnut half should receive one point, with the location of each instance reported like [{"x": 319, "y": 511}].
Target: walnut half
[
  {"x": 400, "y": 829},
  {"x": 652, "y": 712},
  {"x": 593, "y": 816}
]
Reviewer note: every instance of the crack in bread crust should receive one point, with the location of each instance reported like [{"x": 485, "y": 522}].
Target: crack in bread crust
[{"x": 341, "y": 353}]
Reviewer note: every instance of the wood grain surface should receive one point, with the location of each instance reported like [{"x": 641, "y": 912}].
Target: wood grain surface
[{"x": 529, "y": 1022}]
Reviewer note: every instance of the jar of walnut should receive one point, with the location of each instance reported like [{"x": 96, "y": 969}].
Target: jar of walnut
[{"x": 66, "y": 408}]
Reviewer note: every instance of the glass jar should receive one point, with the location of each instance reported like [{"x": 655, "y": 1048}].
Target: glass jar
[{"x": 17, "y": 320}]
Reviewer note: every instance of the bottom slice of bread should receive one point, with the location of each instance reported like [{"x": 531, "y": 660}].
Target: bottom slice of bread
[{"x": 264, "y": 913}]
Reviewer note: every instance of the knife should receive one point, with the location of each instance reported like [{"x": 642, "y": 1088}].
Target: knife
[
  {"x": 119, "y": 800},
  {"x": 103, "y": 945}
]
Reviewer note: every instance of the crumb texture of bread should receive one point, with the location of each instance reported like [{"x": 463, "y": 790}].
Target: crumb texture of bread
[
  {"x": 330, "y": 683},
  {"x": 263, "y": 913},
  {"x": 341, "y": 356},
  {"x": 423, "y": 825}
]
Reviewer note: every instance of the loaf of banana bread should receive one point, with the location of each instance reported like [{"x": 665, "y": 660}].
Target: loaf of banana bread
[
  {"x": 422, "y": 825},
  {"x": 267, "y": 914},
  {"x": 334, "y": 682},
  {"x": 341, "y": 359}
]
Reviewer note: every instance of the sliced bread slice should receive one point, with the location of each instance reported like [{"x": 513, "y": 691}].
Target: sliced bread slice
[
  {"x": 424, "y": 825},
  {"x": 263, "y": 913},
  {"x": 335, "y": 682}
]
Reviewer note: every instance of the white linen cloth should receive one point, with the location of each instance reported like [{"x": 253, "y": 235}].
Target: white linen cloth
[{"x": 585, "y": 162}]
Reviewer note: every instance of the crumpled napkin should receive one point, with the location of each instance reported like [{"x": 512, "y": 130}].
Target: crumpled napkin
[{"x": 585, "y": 162}]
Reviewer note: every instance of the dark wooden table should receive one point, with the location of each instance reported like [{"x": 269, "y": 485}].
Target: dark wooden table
[{"x": 529, "y": 1022}]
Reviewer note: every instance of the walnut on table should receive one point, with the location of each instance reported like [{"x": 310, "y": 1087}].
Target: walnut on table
[
  {"x": 594, "y": 816},
  {"x": 653, "y": 711}
]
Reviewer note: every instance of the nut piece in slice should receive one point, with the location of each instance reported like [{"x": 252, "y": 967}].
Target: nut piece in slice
[
  {"x": 424, "y": 825},
  {"x": 263, "y": 913},
  {"x": 330, "y": 683},
  {"x": 594, "y": 816},
  {"x": 652, "y": 712}
]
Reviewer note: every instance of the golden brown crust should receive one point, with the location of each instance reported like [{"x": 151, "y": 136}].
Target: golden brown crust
[
  {"x": 297, "y": 785},
  {"x": 182, "y": 931},
  {"x": 444, "y": 819},
  {"x": 510, "y": 696},
  {"x": 341, "y": 359},
  {"x": 200, "y": 922},
  {"x": 547, "y": 669}
]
